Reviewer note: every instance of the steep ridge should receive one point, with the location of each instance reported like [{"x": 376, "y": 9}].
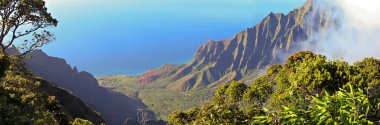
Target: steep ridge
[
  {"x": 276, "y": 36},
  {"x": 266, "y": 43},
  {"x": 115, "y": 108}
]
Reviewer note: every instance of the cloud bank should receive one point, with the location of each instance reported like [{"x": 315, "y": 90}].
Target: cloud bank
[{"x": 358, "y": 33}]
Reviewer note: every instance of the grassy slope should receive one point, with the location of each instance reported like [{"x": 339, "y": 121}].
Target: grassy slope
[
  {"x": 156, "y": 96},
  {"x": 159, "y": 99}
]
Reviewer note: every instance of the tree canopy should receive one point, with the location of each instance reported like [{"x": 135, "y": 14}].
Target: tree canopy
[
  {"x": 307, "y": 89},
  {"x": 27, "y": 21}
]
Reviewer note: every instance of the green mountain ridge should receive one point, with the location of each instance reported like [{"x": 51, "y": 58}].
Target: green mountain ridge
[{"x": 241, "y": 57}]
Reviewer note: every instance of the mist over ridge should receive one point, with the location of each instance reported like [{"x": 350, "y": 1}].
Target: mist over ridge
[{"x": 356, "y": 34}]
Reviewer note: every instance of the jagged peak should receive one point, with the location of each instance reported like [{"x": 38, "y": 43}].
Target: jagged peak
[
  {"x": 243, "y": 51},
  {"x": 309, "y": 2},
  {"x": 210, "y": 42},
  {"x": 75, "y": 69},
  {"x": 39, "y": 51},
  {"x": 272, "y": 15},
  {"x": 307, "y": 6}
]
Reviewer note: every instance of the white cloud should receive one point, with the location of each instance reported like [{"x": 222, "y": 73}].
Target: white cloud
[{"x": 359, "y": 33}]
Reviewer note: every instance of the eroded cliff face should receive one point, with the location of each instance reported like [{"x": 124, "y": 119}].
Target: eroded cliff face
[
  {"x": 276, "y": 36},
  {"x": 268, "y": 42}
]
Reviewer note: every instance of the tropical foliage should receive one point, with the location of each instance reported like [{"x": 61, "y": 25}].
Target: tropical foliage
[
  {"x": 307, "y": 89},
  {"x": 79, "y": 121},
  {"x": 21, "y": 102}
]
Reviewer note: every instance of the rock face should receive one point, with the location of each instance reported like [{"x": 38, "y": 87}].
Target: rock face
[
  {"x": 115, "y": 108},
  {"x": 276, "y": 36}
]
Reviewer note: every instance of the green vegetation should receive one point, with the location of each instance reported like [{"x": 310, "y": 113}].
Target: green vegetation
[
  {"x": 163, "y": 101},
  {"x": 79, "y": 121},
  {"x": 129, "y": 85},
  {"x": 21, "y": 102},
  {"x": 307, "y": 89},
  {"x": 158, "y": 99}
]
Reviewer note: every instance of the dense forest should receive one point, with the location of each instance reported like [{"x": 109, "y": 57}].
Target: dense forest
[{"x": 307, "y": 89}]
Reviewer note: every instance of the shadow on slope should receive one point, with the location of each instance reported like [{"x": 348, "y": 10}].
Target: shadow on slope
[
  {"x": 115, "y": 108},
  {"x": 71, "y": 104}
]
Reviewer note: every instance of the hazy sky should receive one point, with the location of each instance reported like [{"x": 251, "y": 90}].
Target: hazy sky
[{"x": 110, "y": 37}]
